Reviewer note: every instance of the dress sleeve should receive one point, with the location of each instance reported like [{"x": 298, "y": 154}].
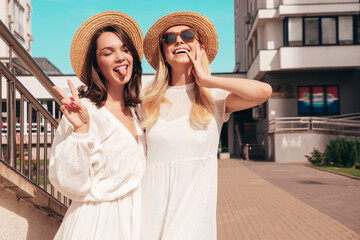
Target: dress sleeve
[
  {"x": 76, "y": 159},
  {"x": 219, "y": 97}
]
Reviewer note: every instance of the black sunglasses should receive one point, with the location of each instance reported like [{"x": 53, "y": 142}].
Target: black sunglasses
[{"x": 187, "y": 35}]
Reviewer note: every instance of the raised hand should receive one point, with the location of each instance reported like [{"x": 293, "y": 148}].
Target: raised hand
[
  {"x": 74, "y": 110},
  {"x": 201, "y": 77}
]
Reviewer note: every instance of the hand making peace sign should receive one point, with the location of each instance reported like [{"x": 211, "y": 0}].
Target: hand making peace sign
[{"x": 74, "y": 110}]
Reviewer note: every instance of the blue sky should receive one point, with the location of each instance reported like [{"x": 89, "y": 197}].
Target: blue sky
[{"x": 54, "y": 23}]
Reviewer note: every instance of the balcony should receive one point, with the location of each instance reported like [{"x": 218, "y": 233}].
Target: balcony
[{"x": 304, "y": 58}]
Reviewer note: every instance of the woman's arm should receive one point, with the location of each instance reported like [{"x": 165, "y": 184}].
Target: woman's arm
[
  {"x": 244, "y": 93},
  {"x": 75, "y": 161}
]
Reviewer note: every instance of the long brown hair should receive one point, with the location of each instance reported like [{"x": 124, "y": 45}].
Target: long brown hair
[{"x": 95, "y": 88}]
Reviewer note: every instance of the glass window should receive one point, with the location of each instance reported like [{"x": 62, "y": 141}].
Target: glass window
[
  {"x": 16, "y": 16},
  {"x": 345, "y": 30},
  {"x": 304, "y": 100},
  {"x": 318, "y": 100},
  {"x": 250, "y": 53},
  {"x": 311, "y": 31},
  {"x": 295, "y": 35},
  {"x": 21, "y": 22},
  {"x": 357, "y": 20},
  {"x": 332, "y": 99},
  {"x": 328, "y": 30},
  {"x": 256, "y": 48}
]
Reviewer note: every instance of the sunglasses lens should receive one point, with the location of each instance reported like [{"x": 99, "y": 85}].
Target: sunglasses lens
[
  {"x": 169, "y": 38},
  {"x": 188, "y": 35}
]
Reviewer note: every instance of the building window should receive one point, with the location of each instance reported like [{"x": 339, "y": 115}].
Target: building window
[
  {"x": 328, "y": 30},
  {"x": 295, "y": 34},
  {"x": 318, "y": 100},
  {"x": 250, "y": 53},
  {"x": 357, "y": 29},
  {"x": 346, "y": 30},
  {"x": 310, "y": 31},
  {"x": 18, "y": 15}
]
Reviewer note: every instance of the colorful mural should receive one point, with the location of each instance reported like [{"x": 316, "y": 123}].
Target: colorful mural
[{"x": 318, "y": 100}]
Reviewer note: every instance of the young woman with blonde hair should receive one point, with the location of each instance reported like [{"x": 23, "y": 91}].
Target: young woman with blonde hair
[{"x": 184, "y": 109}]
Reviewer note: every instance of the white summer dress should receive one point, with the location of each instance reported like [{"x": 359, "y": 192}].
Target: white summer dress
[
  {"x": 101, "y": 172},
  {"x": 180, "y": 181}
]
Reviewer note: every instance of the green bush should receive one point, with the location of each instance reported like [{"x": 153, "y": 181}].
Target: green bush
[
  {"x": 342, "y": 152},
  {"x": 316, "y": 157}
]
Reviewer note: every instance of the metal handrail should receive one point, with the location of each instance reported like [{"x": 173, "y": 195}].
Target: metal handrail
[
  {"x": 34, "y": 169},
  {"x": 28, "y": 61},
  {"x": 8, "y": 75},
  {"x": 322, "y": 124}
]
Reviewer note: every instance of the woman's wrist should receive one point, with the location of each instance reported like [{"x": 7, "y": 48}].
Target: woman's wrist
[{"x": 82, "y": 130}]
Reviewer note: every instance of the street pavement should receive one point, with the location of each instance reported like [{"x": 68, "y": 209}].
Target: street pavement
[{"x": 277, "y": 201}]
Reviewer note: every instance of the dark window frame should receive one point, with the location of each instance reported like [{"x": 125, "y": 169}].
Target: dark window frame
[{"x": 355, "y": 41}]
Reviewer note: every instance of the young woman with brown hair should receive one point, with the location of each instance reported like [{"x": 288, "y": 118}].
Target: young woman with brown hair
[{"x": 97, "y": 157}]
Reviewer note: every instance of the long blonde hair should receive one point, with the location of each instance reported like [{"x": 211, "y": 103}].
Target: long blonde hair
[{"x": 202, "y": 108}]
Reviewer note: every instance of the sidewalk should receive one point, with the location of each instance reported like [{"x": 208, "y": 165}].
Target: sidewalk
[{"x": 250, "y": 207}]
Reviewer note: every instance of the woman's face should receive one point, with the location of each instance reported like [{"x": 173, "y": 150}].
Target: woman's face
[
  {"x": 175, "y": 52},
  {"x": 114, "y": 60}
]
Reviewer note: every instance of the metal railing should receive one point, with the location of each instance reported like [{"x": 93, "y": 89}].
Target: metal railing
[
  {"x": 22, "y": 148},
  {"x": 342, "y": 124}
]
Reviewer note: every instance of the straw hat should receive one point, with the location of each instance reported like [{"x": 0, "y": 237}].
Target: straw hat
[
  {"x": 82, "y": 38},
  {"x": 202, "y": 24}
]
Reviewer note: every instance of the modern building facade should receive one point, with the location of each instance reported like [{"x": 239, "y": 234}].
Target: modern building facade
[{"x": 309, "y": 51}]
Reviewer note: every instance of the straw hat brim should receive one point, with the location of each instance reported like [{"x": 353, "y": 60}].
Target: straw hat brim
[
  {"x": 83, "y": 36},
  {"x": 202, "y": 24}
]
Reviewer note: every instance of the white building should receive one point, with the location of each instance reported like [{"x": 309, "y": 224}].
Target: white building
[
  {"x": 309, "y": 51},
  {"x": 16, "y": 15}
]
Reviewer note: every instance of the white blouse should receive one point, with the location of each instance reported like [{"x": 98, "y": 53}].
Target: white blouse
[{"x": 101, "y": 172}]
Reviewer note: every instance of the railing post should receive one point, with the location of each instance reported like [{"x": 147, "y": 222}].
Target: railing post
[
  {"x": 45, "y": 153},
  {"x": 1, "y": 120},
  {"x": 30, "y": 108},
  {"x": 11, "y": 123},
  {"x": 22, "y": 133},
  {"x": 38, "y": 130}
]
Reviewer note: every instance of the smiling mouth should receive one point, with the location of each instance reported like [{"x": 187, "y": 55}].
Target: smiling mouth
[
  {"x": 181, "y": 51},
  {"x": 122, "y": 70}
]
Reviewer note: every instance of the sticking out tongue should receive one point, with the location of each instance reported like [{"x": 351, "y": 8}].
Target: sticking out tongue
[{"x": 123, "y": 71}]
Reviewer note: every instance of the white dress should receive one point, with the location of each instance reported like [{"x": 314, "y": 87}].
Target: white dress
[
  {"x": 180, "y": 182},
  {"x": 101, "y": 172}
]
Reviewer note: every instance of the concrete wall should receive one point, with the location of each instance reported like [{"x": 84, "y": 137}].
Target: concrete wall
[
  {"x": 240, "y": 35},
  {"x": 292, "y": 147},
  {"x": 21, "y": 220},
  {"x": 282, "y": 107},
  {"x": 273, "y": 33}
]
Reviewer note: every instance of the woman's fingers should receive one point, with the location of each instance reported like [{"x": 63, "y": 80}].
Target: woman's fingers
[
  {"x": 192, "y": 59},
  {"x": 61, "y": 92},
  {"x": 69, "y": 101},
  {"x": 73, "y": 90},
  {"x": 198, "y": 52}
]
